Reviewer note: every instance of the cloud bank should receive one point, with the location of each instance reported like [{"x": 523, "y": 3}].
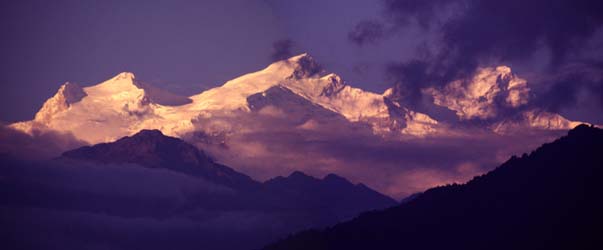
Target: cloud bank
[
  {"x": 557, "y": 45},
  {"x": 41, "y": 144},
  {"x": 273, "y": 141},
  {"x": 58, "y": 205}
]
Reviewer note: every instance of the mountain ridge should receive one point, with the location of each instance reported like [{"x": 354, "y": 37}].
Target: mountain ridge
[
  {"x": 157, "y": 180},
  {"x": 293, "y": 109},
  {"x": 123, "y": 105},
  {"x": 546, "y": 200},
  {"x": 153, "y": 149},
  {"x": 150, "y": 148}
]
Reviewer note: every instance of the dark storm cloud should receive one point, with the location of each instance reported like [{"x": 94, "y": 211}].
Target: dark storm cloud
[
  {"x": 572, "y": 82},
  {"x": 562, "y": 92},
  {"x": 423, "y": 12},
  {"x": 415, "y": 72},
  {"x": 509, "y": 29},
  {"x": 368, "y": 31},
  {"x": 470, "y": 33},
  {"x": 281, "y": 49}
]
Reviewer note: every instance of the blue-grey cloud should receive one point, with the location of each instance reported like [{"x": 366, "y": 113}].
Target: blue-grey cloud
[
  {"x": 282, "y": 49},
  {"x": 467, "y": 34},
  {"x": 368, "y": 31}
]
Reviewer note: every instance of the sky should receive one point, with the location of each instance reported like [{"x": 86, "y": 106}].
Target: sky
[
  {"x": 419, "y": 48},
  {"x": 190, "y": 46}
]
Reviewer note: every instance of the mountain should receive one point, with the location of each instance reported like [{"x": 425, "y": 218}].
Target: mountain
[
  {"x": 499, "y": 99},
  {"x": 148, "y": 179},
  {"x": 548, "y": 199},
  {"x": 115, "y": 108},
  {"x": 484, "y": 95},
  {"x": 150, "y": 148},
  {"x": 332, "y": 195},
  {"x": 294, "y": 115},
  {"x": 536, "y": 119},
  {"x": 121, "y": 106}
]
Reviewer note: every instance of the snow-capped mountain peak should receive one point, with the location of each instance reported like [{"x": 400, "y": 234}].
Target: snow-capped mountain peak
[
  {"x": 67, "y": 94},
  {"x": 477, "y": 97},
  {"x": 295, "y": 59},
  {"x": 536, "y": 119},
  {"x": 122, "y": 82},
  {"x": 124, "y": 75},
  {"x": 111, "y": 108},
  {"x": 232, "y": 95},
  {"x": 123, "y": 105},
  {"x": 494, "y": 89}
]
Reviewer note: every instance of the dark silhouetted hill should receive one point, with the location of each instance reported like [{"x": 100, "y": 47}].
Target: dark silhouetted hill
[
  {"x": 150, "y": 148},
  {"x": 334, "y": 197},
  {"x": 151, "y": 191},
  {"x": 549, "y": 199}
]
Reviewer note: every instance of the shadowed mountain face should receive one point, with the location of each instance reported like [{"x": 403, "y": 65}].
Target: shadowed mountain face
[
  {"x": 150, "y": 148},
  {"x": 549, "y": 199},
  {"x": 333, "y": 197},
  {"x": 151, "y": 191}
]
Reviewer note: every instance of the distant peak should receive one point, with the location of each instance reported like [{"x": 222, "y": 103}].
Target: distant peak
[
  {"x": 336, "y": 178},
  {"x": 123, "y": 81},
  {"x": 298, "y": 174},
  {"x": 503, "y": 69},
  {"x": 305, "y": 66},
  {"x": 388, "y": 92},
  {"x": 336, "y": 79},
  {"x": 294, "y": 59},
  {"x": 150, "y": 132},
  {"x": 68, "y": 85},
  {"x": 298, "y": 57},
  {"x": 151, "y": 135},
  {"x": 68, "y": 94},
  {"x": 334, "y": 85},
  {"x": 301, "y": 58},
  {"x": 583, "y": 129},
  {"x": 152, "y": 149},
  {"x": 72, "y": 92},
  {"x": 125, "y": 75}
]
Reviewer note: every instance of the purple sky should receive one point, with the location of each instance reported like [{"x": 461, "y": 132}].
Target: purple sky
[{"x": 188, "y": 46}]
